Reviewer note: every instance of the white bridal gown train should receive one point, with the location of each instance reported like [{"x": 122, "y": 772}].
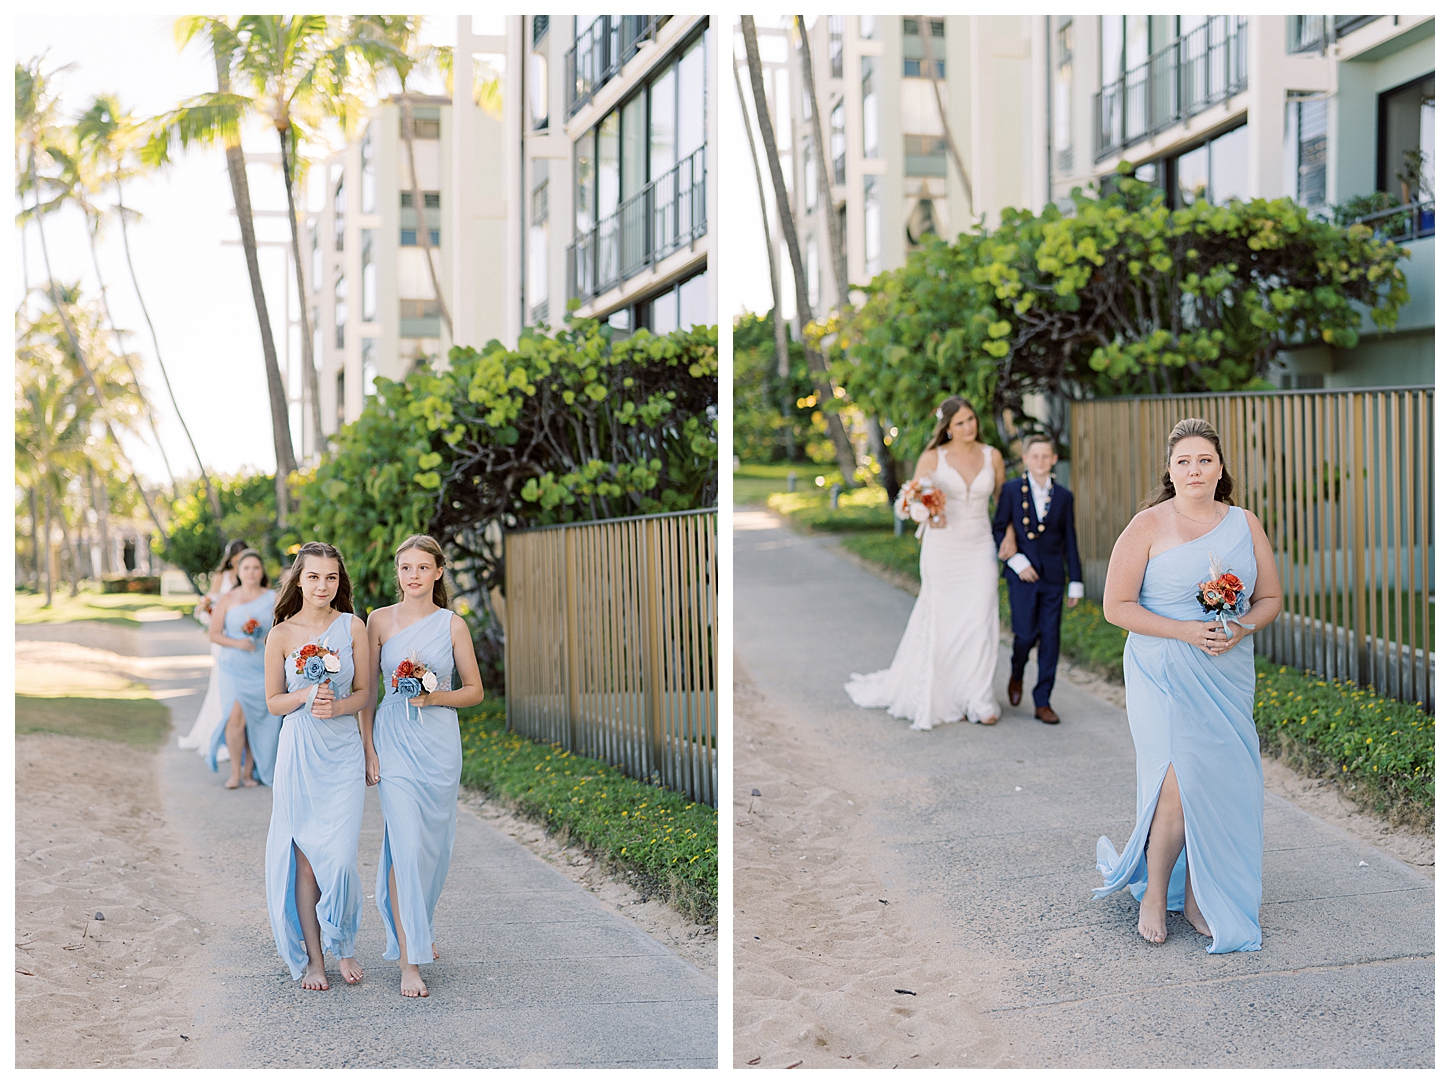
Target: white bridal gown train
[{"x": 945, "y": 665}]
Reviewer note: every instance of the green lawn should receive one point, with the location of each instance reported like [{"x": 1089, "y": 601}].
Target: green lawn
[
  {"x": 133, "y": 721},
  {"x": 662, "y": 840},
  {"x": 754, "y": 482},
  {"x": 120, "y": 609}
]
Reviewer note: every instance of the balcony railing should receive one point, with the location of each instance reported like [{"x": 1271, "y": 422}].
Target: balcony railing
[
  {"x": 1204, "y": 67},
  {"x": 598, "y": 54},
  {"x": 1311, "y": 33},
  {"x": 667, "y": 215},
  {"x": 1409, "y": 222}
]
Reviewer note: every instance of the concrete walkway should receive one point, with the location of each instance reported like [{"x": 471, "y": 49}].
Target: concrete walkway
[
  {"x": 535, "y": 972},
  {"x": 995, "y": 828}
]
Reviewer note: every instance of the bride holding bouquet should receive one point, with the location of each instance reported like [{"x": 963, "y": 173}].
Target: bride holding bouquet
[{"x": 947, "y": 660}]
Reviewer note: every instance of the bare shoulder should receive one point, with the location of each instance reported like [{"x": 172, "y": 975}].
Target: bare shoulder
[
  {"x": 1143, "y": 527},
  {"x": 381, "y": 620},
  {"x": 457, "y": 624},
  {"x": 357, "y": 626},
  {"x": 1256, "y": 528}
]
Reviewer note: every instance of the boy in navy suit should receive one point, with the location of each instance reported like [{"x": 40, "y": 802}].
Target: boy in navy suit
[{"x": 1039, "y": 513}]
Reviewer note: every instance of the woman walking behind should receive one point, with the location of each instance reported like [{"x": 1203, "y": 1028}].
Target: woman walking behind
[
  {"x": 240, "y": 624},
  {"x": 417, "y": 755},
  {"x": 314, "y": 894},
  {"x": 1198, "y": 845},
  {"x": 222, "y": 581}
]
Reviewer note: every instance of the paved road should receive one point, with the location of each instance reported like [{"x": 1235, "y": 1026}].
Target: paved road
[
  {"x": 535, "y": 971},
  {"x": 1000, "y": 825}
]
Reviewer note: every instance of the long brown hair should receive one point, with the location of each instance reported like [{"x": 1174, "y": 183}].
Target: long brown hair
[
  {"x": 289, "y": 595},
  {"x": 242, "y": 556},
  {"x": 1193, "y": 427},
  {"x": 234, "y": 547},
  {"x": 430, "y": 546},
  {"x": 944, "y": 415}
]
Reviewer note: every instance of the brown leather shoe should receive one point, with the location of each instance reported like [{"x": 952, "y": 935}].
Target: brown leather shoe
[
  {"x": 1014, "y": 691},
  {"x": 1047, "y": 715}
]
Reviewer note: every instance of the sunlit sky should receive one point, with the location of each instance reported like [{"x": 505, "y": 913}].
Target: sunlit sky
[{"x": 194, "y": 281}]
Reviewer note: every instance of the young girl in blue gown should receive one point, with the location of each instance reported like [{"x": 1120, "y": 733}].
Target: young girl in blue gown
[
  {"x": 249, "y": 730},
  {"x": 1198, "y": 843},
  {"x": 416, "y": 755},
  {"x": 314, "y": 893}
]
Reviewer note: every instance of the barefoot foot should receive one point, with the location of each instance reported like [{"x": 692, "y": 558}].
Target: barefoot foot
[
  {"x": 435, "y": 950},
  {"x": 233, "y": 783},
  {"x": 315, "y": 978},
  {"x": 413, "y": 984},
  {"x": 351, "y": 973},
  {"x": 1195, "y": 917},
  {"x": 1153, "y": 922},
  {"x": 250, "y": 782}
]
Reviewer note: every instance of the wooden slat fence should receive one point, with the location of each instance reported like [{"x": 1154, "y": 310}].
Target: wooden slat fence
[
  {"x": 1343, "y": 482},
  {"x": 611, "y": 644}
]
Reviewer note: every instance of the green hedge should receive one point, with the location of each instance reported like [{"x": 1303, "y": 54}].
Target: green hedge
[
  {"x": 861, "y": 509},
  {"x": 665, "y": 843}
]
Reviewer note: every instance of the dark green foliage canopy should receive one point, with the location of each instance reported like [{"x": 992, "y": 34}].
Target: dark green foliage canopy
[
  {"x": 1123, "y": 296},
  {"x": 766, "y": 402},
  {"x": 196, "y": 542}
]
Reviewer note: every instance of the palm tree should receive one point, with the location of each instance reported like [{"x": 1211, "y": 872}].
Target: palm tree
[
  {"x": 212, "y": 118},
  {"x": 105, "y": 135},
  {"x": 820, "y": 374},
  {"x": 392, "y": 44},
  {"x": 36, "y": 107},
  {"x": 833, "y": 230}
]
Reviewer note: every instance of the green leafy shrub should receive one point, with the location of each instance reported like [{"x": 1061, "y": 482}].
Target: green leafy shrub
[
  {"x": 776, "y": 417},
  {"x": 664, "y": 842},
  {"x": 196, "y": 541}
]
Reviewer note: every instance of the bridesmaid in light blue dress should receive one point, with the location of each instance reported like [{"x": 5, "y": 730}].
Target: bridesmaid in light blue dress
[
  {"x": 1198, "y": 843},
  {"x": 244, "y": 725},
  {"x": 314, "y": 893},
  {"x": 417, "y": 755}
]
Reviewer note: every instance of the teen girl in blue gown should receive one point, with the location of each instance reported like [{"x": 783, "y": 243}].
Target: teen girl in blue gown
[
  {"x": 244, "y": 724},
  {"x": 1198, "y": 843}
]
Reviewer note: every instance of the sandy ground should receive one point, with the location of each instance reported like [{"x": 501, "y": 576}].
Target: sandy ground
[
  {"x": 112, "y": 992},
  {"x": 811, "y": 903}
]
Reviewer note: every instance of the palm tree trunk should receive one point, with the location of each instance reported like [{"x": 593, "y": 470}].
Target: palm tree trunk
[
  {"x": 838, "y": 246},
  {"x": 156, "y": 346},
  {"x": 820, "y": 375},
  {"x": 309, "y": 365},
  {"x": 34, "y": 535},
  {"x": 49, "y": 552},
  {"x": 923, "y": 27},
  {"x": 419, "y": 214},
  {"x": 68, "y": 547},
  {"x": 91, "y": 228},
  {"x": 782, "y": 342},
  {"x": 102, "y": 505},
  {"x": 76, "y": 346},
  {"x": 276, "y": 390}
]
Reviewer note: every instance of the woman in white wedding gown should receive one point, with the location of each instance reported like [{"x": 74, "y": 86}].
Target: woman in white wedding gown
[
  {"x": 946, "y": 664},
  {"x": 222, "y": 581}
]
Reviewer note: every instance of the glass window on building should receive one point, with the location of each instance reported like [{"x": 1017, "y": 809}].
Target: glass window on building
[
  {"x": 835, "y": 45},
  {"x": 1306, "y": 157},
  {"x": 369, "y": 279},
  {"x": 1217, "y": 171},
  {"x": 432, "y": 215},
  {"x": 369, "y": 366},
  {"x": 683, "y": 305},
  {"x": 1062, "y": 94},
  {"x": 620, "y": 324},
  {"x": 923, "y": 137},
  {"x": 1405, "y": 165},
  {"x": 339, "y": 311},
  {"x": 838, "y": 142},
  {"x": 913, "y": 50},
  {"x": 538, "y": 257},
  {"x": 339, "y": 213},
  {"x": 868, "y": 27},
  {"x": 633, "y": 147},
  {"x": 369, "y": 173},
  {"x": 870, "y": 110},
  {"x": 871, "y": 208},
  {"x": 695, "y": 302},
  {"x": 662, "y": 106},
  {"x": 539, "y": 89}
]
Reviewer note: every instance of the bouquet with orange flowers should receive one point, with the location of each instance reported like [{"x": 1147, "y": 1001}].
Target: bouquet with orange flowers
[
  {"x": 412, "y": 679},
  {"x": 922, "y": 502},
  {"x": 1223, "y": 595},
  {"x": 253, "y": 629}
]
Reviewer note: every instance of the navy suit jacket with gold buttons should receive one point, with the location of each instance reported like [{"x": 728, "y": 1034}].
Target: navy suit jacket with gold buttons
[{"x": 1053, "y": 552}]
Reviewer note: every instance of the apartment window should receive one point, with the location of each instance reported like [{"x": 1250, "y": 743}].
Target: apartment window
[
  {"x": 1062, "y": 94},
  {"x": 1405, "y": 165},
  {"x": 835, "y": 45},
  {"x": 369, "y": 279},
  {"x": 369, "y": 174},
  {"x": 369, "y": 366},
  {"x": 923, "y": 138},
  {"x": 538, "y": 90},
  {"x": 427, "y": 122},
  {"x": 339, "y": 311},
  {"x": 538, "y": 257},
  {"x": 341, "y": 398},
  {"x": 339, "y": 213},
  {"x": 868, "y": 27},
  {"x": 1306, "y": 132},
  {"x": 914, "y": 52},
  {"x": 432, "y": 212},
  {"x": 541, "y": 27},
  {"x": 316, "y": 256},
  {"x": 871, "y": 206},
  {"x": 870, "y": 110},
  {"x": 1217, "y": 171},
  {"x": 418, "y": 319},
  {"x": 684, "y": 305},
  {"x": 838, "y": 142}
]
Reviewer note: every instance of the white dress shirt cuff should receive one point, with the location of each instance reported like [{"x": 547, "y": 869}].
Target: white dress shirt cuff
[
  {"x": 1019, "y": 563},
  {"x": 1074, "y": 589}
]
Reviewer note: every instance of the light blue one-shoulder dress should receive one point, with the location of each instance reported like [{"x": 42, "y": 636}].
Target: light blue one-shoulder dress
[
  {"x": 242, "y": 676},
  {"x": 420, "y": 761},
  {"x": 1196, "y": 712},
  {"x": 317, "y": 804}
]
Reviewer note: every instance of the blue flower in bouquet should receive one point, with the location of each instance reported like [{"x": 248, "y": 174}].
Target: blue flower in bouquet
[
  {"x": 409, "y": 687},
  {"x": 314, "y": 669}
]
